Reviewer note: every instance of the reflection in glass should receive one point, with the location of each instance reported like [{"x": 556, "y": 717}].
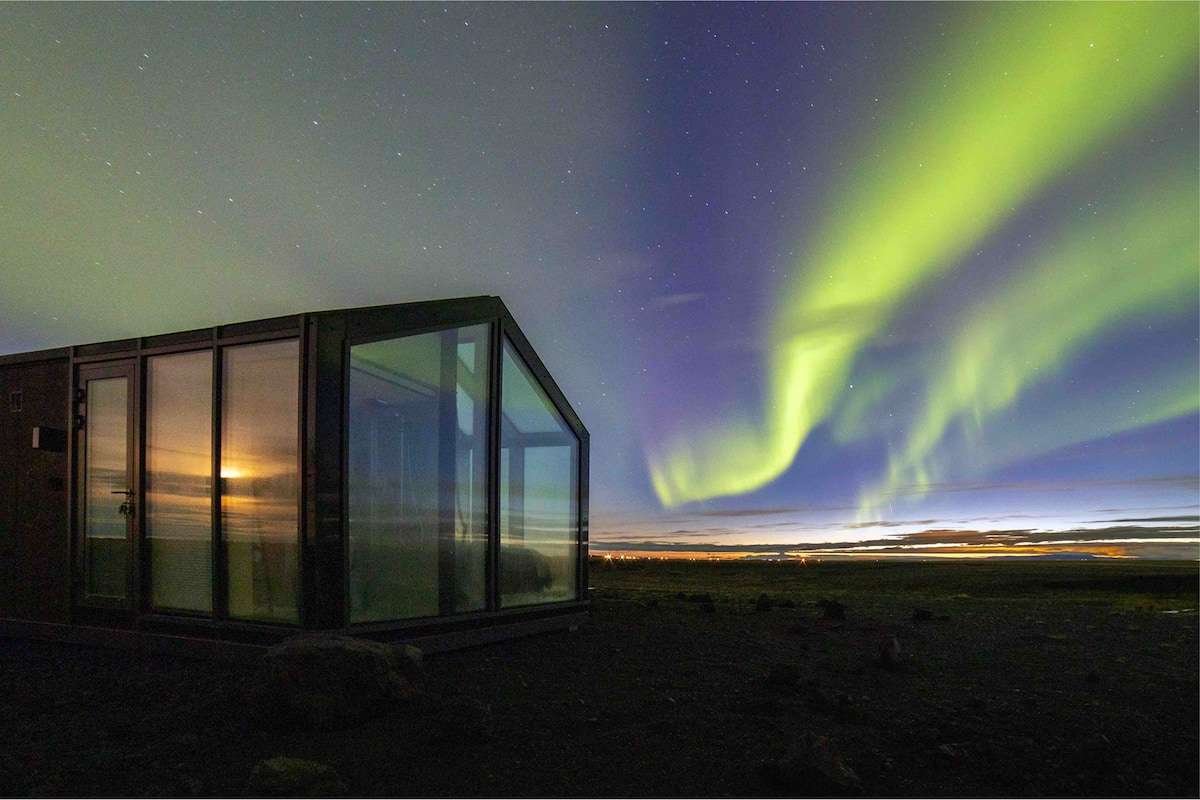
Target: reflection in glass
[
  {"x": 106, "y": 475},
  {"x": 179, "y": 480},
  {"x": 539, "y": 454},
  {"x": 260, "y": 479},
  {"x": 417, "y": 475}
]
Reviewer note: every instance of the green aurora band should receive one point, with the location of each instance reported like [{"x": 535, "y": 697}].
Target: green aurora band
[
  {"x": 1139, "y": 260},
  {"x": 1025, "y": 93}
]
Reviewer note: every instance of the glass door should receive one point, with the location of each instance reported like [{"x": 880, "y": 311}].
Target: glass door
[{"x": 107, "y": 499}]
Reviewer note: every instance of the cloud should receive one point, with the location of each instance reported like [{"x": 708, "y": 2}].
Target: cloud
[
  {"x": 1180, "y": 518},
  {"x": 748, "y": 512},
  {"x": 1165, "y": 481},
  {"x": 671, "y": 300},
  {"x": 1126, "y": 541}
]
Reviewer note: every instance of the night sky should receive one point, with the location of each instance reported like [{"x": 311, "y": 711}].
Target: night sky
[{"x": 920, "y": 277}]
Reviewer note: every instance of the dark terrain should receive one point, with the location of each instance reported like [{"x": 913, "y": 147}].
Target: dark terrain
[{"x": 1024, "y": 679}]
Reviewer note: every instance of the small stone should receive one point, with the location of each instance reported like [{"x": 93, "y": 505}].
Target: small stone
[
  {"x": 922, "y": 615},
  {"x": 832, "y": 609},
  {"x": 950, "y": 752},
  {"x": 294, "y": 777},
  {"x": 781, "y": 676},
  {"x": 813, "y": 767},
  {"x": 889, "y": 653},
  {"x": 463, "y": 719}
]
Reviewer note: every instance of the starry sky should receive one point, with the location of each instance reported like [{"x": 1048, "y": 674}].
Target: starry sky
[{"x": 840, "y": 279}]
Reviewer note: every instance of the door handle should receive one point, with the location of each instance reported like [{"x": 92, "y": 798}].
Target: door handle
[{"x": 126, "y": 507}]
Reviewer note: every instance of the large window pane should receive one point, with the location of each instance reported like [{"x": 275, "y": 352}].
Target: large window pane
[
  {"x": 106, "y": 477},
  {"x": 179, "y": 480},
  {"x": 539, "y": 454},
  {"x": 260, "y": 479},
  {"x": 418, "y": 475}
]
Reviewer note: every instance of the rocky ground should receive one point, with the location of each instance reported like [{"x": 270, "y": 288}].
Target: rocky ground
[{"x": 691, "y": 680}]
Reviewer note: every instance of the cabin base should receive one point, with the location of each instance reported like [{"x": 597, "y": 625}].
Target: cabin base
[{"x": 199, "y": 646}]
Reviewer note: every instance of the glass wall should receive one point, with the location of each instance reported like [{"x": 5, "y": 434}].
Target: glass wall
[
  {"x": 417, "y": 475},
  {"x": 539, "y": 457},
  {"x": 179, "y": 480},
  {"x": 260, "y": 479},
  {"x": 106, "y": 479}
]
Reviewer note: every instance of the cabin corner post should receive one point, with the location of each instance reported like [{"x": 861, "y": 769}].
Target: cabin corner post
[
  {"x": 325, "y": 428},
  {"x": 585, "y": 448}
]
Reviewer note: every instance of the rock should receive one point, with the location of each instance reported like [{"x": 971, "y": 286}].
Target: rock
[
  {"x": 294, "y": 777},
  {"x": 463, "y": 720},
  {"x": 832, "y": 609},
  {"x": 950, "y": 752},
  {"x": 818, "y": 700},
  {"x": 331, "y": 682},
  {"x": 1093, "y": 677},
  {"x": 889, "y": 653},
  {"x": 782, "y": 676},
  {"x": 787, "y": 603},
  {"x": 922, "y": 615},
  {"x": 813, "y": 768},
  {"x": 797, "y": 629},
  {"x": 764, "y": 707},
  {"x": 708, "y": 607},
  {"x": 700, "y": 597},
  {"x": 1096, "y": 754},
  {"x": 763, "y": 603}
]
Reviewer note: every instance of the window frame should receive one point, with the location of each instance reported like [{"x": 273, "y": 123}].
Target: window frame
[
  {"x": 365, "y": 326},
  {"x": 576, "y": 498},
  {"x": 138, "y": 351},
  {"x": 516, "y": 337},
  {"x": 393, "y": 333}
]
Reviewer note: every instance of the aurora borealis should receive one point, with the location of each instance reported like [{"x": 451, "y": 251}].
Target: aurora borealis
[{"x": 812, "y": 274}]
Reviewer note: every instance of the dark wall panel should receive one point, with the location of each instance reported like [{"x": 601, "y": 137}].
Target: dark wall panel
[{"x": 33, "y": 492}]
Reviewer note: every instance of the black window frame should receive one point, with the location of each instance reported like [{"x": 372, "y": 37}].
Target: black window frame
[{"x": 138, "y": 352}]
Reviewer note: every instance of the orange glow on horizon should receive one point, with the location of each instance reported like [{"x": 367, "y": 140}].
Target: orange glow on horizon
[{"x": 1117, "y": 551}]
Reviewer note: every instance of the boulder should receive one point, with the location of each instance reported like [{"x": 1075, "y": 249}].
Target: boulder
[
  {"x": 294, "y": 777},
  {"x": 331, "y": 682},
  {"x": 813, "y": 767}
]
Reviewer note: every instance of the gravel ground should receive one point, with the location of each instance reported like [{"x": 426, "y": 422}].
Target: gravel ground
[{"x": 1065, "y": 683}]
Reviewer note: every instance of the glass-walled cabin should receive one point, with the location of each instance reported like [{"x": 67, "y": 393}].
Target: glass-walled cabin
[{"x": 400, "y": 468}]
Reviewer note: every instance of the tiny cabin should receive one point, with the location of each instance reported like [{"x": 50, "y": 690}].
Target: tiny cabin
[{"x": 406, "y": 471}]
